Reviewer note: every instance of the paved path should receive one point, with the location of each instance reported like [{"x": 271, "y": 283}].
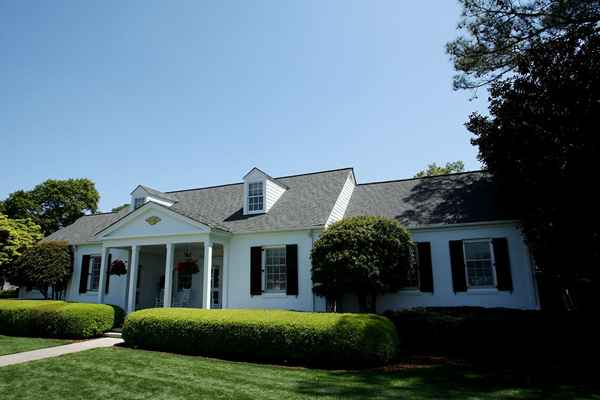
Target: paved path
[{"x": 56, "y": 351}]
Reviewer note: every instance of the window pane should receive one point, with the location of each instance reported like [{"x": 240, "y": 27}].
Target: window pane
[
  {"x": 480, "y": 273},
  {"x": 275, "y": 269},
  {"x": 477, "y": 250},
  {"x": 184, "y": 280},
  {"x": 94, "y": 273},
  {"x": 479, "y": 263},
  {"x": 255, "y": 196}
]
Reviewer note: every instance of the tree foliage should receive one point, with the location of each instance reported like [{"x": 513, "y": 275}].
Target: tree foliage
[
  {"x": 44, "y": 266},
  {"x": 121, "y": 207},
  {"x": 434, "y": 169},
  {"x": 363, "y": 255},
  {"x": 54, "y": 204},
  {"x": 16, "y": 235},
  {"x": 541, "y": 142},
  {"x": 497, "y": 34}
]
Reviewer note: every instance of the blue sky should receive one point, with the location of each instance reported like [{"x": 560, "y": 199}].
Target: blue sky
[{"x": 186, "y": 94}]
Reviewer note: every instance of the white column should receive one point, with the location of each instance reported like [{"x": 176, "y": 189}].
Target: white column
[
  {"x": 103, "y": 266},
  {"x": 207, "y": 290},
  {"x": 133, "y": 272},
  {"x": 225, "y": 276},
  {"x": 169, "y": 276}
]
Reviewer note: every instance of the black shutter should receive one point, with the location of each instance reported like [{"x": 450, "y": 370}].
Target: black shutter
[
  {"x": 457, "y": 261},
  {"x": 503, "y": 274},
  {"x": 255, "y": 271},
  {"x": 85, "y": 271},
  {"x": 108, "y": 272},
  {"x": 425, "y": 267},
  {"x": 291, "y": 257}
]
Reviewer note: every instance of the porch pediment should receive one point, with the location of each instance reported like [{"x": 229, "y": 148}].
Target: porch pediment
[{"x": 152, "y": 220}]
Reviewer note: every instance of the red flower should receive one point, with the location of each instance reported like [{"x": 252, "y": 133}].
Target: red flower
[
  {"x": 189, "y": 266},
  {"x": 118, "y": 267}
]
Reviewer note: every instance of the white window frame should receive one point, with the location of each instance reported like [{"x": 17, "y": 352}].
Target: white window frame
[
  {"x": 141, "y": 201},
  {"x": 492, "y": 261},
  {"x": 90, "y": 273},
  {"x": 264, "y": 270},
  {"x": 248, "y": 196}
]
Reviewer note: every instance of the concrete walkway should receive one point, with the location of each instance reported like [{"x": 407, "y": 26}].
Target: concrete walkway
[{"x": 56, "y": 351}]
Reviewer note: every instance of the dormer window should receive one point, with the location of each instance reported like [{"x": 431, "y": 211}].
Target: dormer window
[
  {"x": 138, "y": 202},
  {"x": 256, "y": 197}
]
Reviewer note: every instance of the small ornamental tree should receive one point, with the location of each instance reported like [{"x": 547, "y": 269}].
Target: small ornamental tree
[
  {"x": 43, "y": 266},
  {"x": 15, "y": 236},
  {"x": 365, "y": 256}
]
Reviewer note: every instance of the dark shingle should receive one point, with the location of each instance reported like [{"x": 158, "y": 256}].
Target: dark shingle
[
  {"x": 84, "y": 229},
  {"x": 306, "y": 203},
  {"x": 157, "y": 193},
  {"x": 447, "y": 199}
]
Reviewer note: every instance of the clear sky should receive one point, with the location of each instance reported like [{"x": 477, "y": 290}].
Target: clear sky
[{"x": 187, "y": 94}]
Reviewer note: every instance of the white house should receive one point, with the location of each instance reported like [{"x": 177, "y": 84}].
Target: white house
[{"x": 252, "y": 240}]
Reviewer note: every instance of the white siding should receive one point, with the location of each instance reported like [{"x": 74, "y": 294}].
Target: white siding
[
  {"x": 272, "y": 193},
  {"x": 341, "y": 204},
  {"x": 272, "y": 190},
  {"x": 523, "y": 296},
  {"x": 238, "y": 276}
]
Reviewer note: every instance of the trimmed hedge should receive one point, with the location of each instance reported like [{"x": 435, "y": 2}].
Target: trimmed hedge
[
  {"x": 9, "y": 294},
  {"x": 58, "y": 319},
  {"x": 497, "y": 335},
  {"x": 301, "y": 338}
]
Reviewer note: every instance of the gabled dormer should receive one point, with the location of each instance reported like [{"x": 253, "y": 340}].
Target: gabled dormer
[
  {"x": 143, "y": 194},
  {"x": 261, "y": 192}
]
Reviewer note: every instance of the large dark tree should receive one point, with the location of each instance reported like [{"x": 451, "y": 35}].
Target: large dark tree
[
  {"x": 541, "y": 142},
  {"x": 364, "y": 256},
  {"x": 54, "y": 204},
  {"x": 495, "y": 34}
]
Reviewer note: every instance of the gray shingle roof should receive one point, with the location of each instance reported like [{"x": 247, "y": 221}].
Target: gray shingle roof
[
  {"x": 156, "y": 193},
  {"x": 309, "y": 199},
  {"x": 448, "y": 199},
  {"x": 84, "y": 229},
  {"x": 306, "y": 203}
]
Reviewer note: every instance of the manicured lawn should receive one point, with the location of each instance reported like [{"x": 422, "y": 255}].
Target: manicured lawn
[
  {"x": 11, "y": 344},
  {"x": 120, "y": 373}
]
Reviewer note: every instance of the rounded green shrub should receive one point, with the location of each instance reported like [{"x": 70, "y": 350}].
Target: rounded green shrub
[
  {"x": 58, "y": 319},
  {"x": 315, "y": 339}
]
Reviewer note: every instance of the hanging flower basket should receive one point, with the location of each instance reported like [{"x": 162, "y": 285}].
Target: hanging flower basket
[
  {"x": 118, "y": 267},
  {"x": 188, "y": 266}
]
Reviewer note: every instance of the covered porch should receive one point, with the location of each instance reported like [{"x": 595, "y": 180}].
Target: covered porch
[
  {"x": 171, "y": 274},
  {"x": 171, "y": 260}
]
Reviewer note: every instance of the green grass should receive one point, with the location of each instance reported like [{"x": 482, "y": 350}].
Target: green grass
[
  {"x": 11, "y": 345},
  {"x": 120, "y": 373}
]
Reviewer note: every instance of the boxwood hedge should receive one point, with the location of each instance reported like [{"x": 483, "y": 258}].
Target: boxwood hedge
[
  {"x": 58, "y": 319},
  {"x": 301, "y": 338}
]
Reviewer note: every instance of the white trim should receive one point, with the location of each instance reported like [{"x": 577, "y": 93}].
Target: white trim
[
  {"x": 494, "y": 286},
  {"x": 264, "y": 196},
  {"x": 464, "y": 225},
  {"x": 147, "y": 207},
  {"x": 266, "y": 291}
]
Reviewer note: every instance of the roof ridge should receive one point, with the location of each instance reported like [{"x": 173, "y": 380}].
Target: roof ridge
[
  {"x": 422, "y": 177},
  {"x": 316, "y": 172},
  {"x": 278, "y": 177},
  {"x": 100, "y": 213}
]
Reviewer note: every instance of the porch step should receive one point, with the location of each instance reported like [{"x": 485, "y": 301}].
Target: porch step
[{"x": 113, "y": 334}]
